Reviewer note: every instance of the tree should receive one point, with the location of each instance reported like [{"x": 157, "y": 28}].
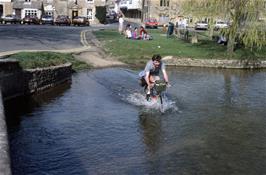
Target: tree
[
  {"x": 101, "y": 14},
  {"x": 245, "y": 16}
]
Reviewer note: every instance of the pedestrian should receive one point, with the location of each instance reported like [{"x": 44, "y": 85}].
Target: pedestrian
[{"x": 121, "y": 24}]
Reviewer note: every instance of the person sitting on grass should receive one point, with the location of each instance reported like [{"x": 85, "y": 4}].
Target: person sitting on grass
[
  {"x": 128, "y": 33},
  {"x": 135, "y": 34},
  {"x": 144, "y": 34}
]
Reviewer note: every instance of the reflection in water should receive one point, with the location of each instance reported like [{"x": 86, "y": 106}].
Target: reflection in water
[
  {"x": 151, "y": 129},
  {"x": 26, "y": 105},
  {"x": 101, "y": 126}
]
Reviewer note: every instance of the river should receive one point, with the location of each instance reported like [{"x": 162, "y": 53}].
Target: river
[{"x": 213, "y": 122}]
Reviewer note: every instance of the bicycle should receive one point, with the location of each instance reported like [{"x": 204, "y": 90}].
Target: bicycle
[{"x": 156, "y": 91}]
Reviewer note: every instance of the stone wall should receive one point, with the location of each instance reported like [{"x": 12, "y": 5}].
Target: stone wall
[
  {"x": 41, "y": 79},
  {"x": 11, "y": 78},
  {"x": 16, "y": 82},
  {"x": 5, "y": 168},
  {"x": 247, "y": 64}
]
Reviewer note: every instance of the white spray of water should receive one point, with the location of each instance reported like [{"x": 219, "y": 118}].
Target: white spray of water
[{"x": 140, "y": 100}]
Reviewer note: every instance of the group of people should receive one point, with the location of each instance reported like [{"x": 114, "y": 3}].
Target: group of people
[
  {"x": 153, "y": 67},
  {"x": 130, "y": 33},
  {"x": 136, "y": 33}
]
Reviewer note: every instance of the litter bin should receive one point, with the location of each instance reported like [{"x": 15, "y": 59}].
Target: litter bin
[{"x": 170, "y": 30}]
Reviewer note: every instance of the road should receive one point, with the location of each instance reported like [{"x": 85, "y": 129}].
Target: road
[{"x": 43, "y": 37}]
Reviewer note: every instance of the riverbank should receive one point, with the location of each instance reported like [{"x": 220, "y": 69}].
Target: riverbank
[
  {"x": 204, "y": 54},
  {"x": 42, "y": 59},
  {"x": 5, "y": 168}
]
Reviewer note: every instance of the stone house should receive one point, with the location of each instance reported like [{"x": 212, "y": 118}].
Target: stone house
[
  {"x": 5, "y": 7},
  {"x": 162, "y": 10},
  {"x": 74, "y": 8},
  {"x": 49, "y": 7},
  {"x": 112, "y": 5},
  {"x": 23, "y": 8}
]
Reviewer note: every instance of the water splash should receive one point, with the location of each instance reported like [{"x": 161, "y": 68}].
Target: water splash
[{"x": 139, "y": 99}]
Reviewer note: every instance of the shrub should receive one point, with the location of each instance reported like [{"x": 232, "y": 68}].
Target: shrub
[{"x": 101, "y": 14}]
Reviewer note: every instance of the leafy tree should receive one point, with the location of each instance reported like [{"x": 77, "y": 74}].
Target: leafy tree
[
  {"x": 245, "y": 16},
  {"x": 101, "y": 14}
]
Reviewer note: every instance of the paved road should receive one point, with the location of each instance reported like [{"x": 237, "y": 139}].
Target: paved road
[{"x": 42, "y": 37}]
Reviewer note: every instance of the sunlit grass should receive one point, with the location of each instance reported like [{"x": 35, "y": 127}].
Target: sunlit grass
[
  {"x": 32, "y": 60},
  {"x": 139, "y": 51}
]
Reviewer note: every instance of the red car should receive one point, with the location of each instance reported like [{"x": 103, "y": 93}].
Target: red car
[
  {"x": 151, "y": 23},
  {"x": 62, "y": 20},
  {"x": 30, "y": 20}
]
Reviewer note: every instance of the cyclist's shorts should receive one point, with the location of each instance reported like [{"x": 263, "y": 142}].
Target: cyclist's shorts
[{"x": 142, "y": 82}]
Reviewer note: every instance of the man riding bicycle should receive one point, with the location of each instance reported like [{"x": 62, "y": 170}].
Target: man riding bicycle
[{"x": 151, "y": 73}]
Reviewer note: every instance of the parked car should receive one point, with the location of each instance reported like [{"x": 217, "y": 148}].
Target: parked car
[
  {"x": 1, "y": 20},
  {"x": 12, "y": 19},
  {"x": 62, "y": 20},
  {"x": 111, "y": 17},
  {"x": 80, "y": 21},
  {"x": 220, "y": 25},
  {"x": 203, "y": 25},
  {"x": 30, "y": 19},
  {"x": 151, "y": 23},
  {"x": 47, "y": 19}
]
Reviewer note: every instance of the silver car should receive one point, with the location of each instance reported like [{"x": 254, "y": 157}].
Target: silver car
[
  {"x": 47, "y": 19},
  {"x": 202, "y": 25}
]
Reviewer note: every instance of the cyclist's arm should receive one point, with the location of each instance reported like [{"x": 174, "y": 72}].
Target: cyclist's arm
[
  {"x": 165, "y": 76},
  {"x": 147, "y": 78}
]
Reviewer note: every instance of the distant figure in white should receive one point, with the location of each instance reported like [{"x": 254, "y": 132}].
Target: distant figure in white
[{"x": 121, "y": 24}]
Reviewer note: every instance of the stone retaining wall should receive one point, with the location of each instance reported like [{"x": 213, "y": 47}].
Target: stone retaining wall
[
  {"x": 5, "y": 168},
  {"x": 14, "y": 81},
  {"x": 41, "y": 79},
  {"x": 11, "y": 79},
  {"x": 249, "y": 64}
]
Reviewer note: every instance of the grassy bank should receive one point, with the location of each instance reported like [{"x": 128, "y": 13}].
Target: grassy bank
[
  {"x": 31, "y": 60},
  {"x": 138, "y": 52}
]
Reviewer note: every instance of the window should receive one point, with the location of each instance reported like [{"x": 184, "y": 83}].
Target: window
[
  {"x": 30, "y": 12},
  {"x": 27, "y": 0},
  {"x": 164, "y": 3},
  {"x": 89, "y": 13},
  {"x": 90, "y": 1}
]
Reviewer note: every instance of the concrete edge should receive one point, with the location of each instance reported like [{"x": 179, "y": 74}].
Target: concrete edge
[
  {"x": 73, "y": 50},
  {"x": 5, "y": 166}
]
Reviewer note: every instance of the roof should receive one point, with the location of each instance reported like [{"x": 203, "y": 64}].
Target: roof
[{"x": 22, "y": 5}]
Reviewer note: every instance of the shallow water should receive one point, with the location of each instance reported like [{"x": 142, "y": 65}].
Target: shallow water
[{"x": 213, "y": 122}]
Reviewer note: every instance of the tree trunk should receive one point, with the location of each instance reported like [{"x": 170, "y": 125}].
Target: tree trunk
[
  {"x": 231, "y": 45},
  {"x": 211, "y": 31},
  {"x": 194, "y": 38}
]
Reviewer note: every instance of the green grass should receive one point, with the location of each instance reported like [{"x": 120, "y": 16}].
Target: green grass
[
  {"x": 32, "y": 60},
  {"x": 138, "y": 51}
]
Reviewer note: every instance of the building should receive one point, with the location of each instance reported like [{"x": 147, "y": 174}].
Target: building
[
  {"x": 74, "y": 8},
  {"x": 49, "y": 7},
  {"x": 112, "y": 6},
  {"x": 5, "y": 7},
  {"x": 132, "y": 9},
  {"x": 162, "y": 10},
  {"x": 23, "y": 8}
]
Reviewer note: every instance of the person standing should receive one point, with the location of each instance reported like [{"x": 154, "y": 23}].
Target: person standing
[{"x": 121, "y": 24}]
